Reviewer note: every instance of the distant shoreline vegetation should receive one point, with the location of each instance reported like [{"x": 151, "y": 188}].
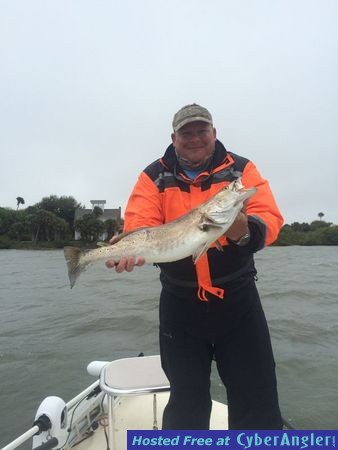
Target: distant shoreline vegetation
[
  {"x": 49, "y": 224},
  {"x": 317, "y": 232}
]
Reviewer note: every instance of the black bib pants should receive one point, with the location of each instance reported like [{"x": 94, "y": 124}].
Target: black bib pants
[{"x": 234, "y": 332}]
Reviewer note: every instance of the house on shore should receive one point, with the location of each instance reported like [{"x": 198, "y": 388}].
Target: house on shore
[{"x": 113, "y": 214}]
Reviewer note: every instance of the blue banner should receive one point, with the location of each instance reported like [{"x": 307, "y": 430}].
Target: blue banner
[{"x": 232, "y": 440}]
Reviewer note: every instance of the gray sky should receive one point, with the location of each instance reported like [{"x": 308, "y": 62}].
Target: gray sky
[{"x": 88, "y": 89}]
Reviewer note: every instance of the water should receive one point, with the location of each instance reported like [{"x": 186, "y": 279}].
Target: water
[{"x": 49, "y": 333}]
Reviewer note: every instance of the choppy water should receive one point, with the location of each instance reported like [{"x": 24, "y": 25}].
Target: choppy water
[{"x": 49, "y": 333}]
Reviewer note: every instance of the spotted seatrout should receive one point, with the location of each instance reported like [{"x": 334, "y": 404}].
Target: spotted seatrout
[{"x": 190, "y": 235}]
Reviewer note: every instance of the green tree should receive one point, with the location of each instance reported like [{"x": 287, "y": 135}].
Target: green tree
[
  {"x": 42, "y": 225},
  {"x": 7, "y": 218},
  {"x": 63, "y": 207},
  {"x": 21, "y": 225},
  {"x": 290, "y": 236},
  {"x": 97, "y": 212},
  {"x": 112, "y": 226},
  {"x": 330, "y": 235},
  {"x": 60, "y": 229},
  {"x": 89, "y": 227},
  {"x": 319, "y": 224},
  {"x": 320, "y": 215},
  {"x": 32, "y": 223},
  {"x": 303, "y": 227},
  {"x": 317, "y": 232}
]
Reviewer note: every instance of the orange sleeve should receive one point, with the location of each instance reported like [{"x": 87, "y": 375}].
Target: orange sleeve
[
  {"x": 144, "y": 207},
  {"x": 262, "y": 206}
]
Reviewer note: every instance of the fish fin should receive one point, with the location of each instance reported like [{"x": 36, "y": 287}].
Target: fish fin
[
  {"x": 102, "y": 244},
  {"x": 207, "y": 222},
  {"x": 219, "y": 246},
  {"x": 203, "y": 249},
  {"x": 200, "y": 251},
  {"x": 72, "y": 255},
  {"x": 120, "y": 236},
  {"x": 215, "y": 219}
]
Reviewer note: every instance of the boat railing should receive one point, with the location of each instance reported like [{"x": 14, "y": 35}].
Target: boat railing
[{"x": 130, "y": 377}]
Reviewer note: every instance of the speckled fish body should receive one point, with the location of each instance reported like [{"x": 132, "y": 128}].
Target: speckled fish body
[{"x": 190, "y": 235}]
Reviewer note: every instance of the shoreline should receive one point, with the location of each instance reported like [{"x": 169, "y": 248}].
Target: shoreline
[
  {"x": 27, "y": 245},
  {"x": 52, "y": 245}
]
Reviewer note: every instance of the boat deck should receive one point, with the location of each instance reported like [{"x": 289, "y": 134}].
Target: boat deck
[{"x": 136, "y": 413}]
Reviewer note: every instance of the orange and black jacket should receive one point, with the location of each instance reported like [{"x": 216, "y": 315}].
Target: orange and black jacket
[{"x": 163, "y": 193}]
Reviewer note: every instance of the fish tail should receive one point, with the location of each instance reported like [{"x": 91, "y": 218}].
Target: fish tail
[{"x": 75, "y": 268}]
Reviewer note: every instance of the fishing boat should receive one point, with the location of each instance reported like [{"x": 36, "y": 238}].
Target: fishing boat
[{"x": 128, "y": 394}]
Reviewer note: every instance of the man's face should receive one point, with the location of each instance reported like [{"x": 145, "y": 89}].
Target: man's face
[{"x": 195, "y": 142}]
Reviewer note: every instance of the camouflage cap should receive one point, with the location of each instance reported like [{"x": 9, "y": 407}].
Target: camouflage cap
[{"x": 191, "y": 113}]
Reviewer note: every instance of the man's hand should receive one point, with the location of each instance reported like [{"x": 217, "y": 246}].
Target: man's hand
[
  {"x": 238, "y": 228},
  {"x": 127, "y": 264}
]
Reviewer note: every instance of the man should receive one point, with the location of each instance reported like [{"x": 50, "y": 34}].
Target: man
[{"x": 210, "y": 310}]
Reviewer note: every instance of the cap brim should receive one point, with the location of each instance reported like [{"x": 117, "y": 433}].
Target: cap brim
[{"x": 191, "y": 119}]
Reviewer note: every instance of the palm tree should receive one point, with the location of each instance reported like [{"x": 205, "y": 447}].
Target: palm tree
[
  {"x": 320, "y": 215},
  {"x": 20, "y": 201},
  {"x": 97, "y": 212},
  {"x": 43, "y": 223},
  {"x": 111, "y": 227}
]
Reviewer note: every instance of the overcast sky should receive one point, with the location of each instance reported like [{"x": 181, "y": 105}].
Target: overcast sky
[{"x": 88, "y": 89}]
